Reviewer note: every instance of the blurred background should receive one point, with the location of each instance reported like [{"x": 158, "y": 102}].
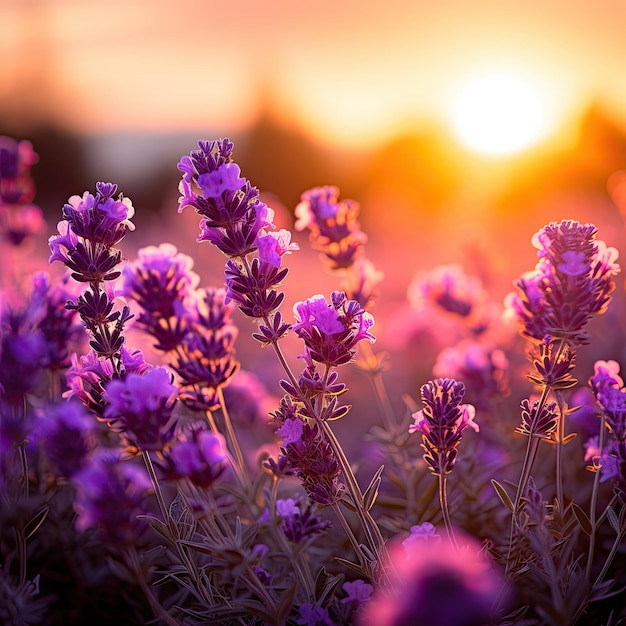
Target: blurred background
[{"x": 460, "y": 127}]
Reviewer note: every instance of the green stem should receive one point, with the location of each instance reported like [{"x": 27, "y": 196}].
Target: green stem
[
  {"x": 443, "y": 502},
  {"x": 593, "y": 504}
]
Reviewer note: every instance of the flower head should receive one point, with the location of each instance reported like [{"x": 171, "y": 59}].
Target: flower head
[
  {"x": 140, "y": 407},
  {"x": 441, "y": 422},
  {"x": 435, "y": 583},
  {"x": 572, "y": 282}
]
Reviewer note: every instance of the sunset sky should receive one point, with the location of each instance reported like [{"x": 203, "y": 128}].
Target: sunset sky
[{"x": 352, "y": 71}]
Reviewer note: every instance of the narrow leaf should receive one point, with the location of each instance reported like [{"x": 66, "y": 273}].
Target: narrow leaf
[
  {"x": 583, "y": 520},
  {"x": 612, "y": 516},
  {"x": 284, "y": 606},
  {"x": 503, "y": 495},
  {"x": 371, "y": 493}
]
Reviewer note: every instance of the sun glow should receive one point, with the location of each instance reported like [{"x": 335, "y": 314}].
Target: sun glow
[{"x": 498, "y": 114}]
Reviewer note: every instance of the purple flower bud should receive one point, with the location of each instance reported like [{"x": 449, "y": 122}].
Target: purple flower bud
[{"x": 358, "y": 591}]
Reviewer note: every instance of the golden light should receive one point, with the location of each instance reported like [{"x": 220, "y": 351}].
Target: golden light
[{"x": 498, "y": 114}]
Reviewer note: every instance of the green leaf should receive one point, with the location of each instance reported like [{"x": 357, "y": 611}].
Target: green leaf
[
  {"x": 612, "y": 517},
  {"x": 583, "y": 520},
  {"x": 31, "y": 528},
  {"x": 157, "y": 525},
  {"x": 284, "y": 606},
  {"x": 352, "y": 566},
  {"x": 503, "y": 495},
  {"x": 371, "y": 493}
]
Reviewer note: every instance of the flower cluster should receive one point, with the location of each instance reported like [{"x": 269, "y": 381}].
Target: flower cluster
[
  {"x": 441, "y": 422},
  {"x": 19, "y": 218},
  {"x": 335, "y": 231},
  {"x": 572, "y": 282},
  {"x": 92, "y": 225},
  {"x": 610, "y": 393}
]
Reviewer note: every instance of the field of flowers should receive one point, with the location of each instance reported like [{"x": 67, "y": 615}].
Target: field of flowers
[{"x": 174, "y": 452}]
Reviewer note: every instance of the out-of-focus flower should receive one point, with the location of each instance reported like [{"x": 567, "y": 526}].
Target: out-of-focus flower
[
  {"x": 64, "y": 432},
  {"x": 484, "y": 369},
  {"x": 608, "y": 461},
  {"x": 358, "y": 591},
  {"x": 299, "y": 521},
  {"x": 197, "y": 454},
  {"x": 336, "y": 233},
  {"x": 140, "y": 407},
  {"x": 19, "y": 219},
  {"x": 109, "y": 497},
  {"x": 314, "y": 615},
  {"x": 435, "y": 583},
  {"x": 160, "y": 281},
  {"x": 420, "y": 532},
  {"x": 608, "y": 388},
  {"x": 572, "y": 282},
  {"x": 206, "y": 356},
  {"x": 441, "y": 422}
]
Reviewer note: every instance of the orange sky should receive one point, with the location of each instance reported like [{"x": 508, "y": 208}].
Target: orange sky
[{"x": 351, "y": 69}]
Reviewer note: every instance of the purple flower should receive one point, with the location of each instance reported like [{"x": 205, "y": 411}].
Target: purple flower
[
  {"x": 198, "y": 455},
  {"x": 86, "y": 379},
  {"x": 435, "y": 583},
  {"x": 572, "y": 282},
  {"x": 64, "y": 431},
  {"x": 91, "y": 227},
  {"x": 610, "y": 393},
  {"x": 449, "y": 288},
  {"x": 109, "y": 497},
  {"x": 273, "y": 245},
  {"x": 161, "y": 281},
  {"x": 314, "y": 615},
  {"x": 608, "y": 461},
  {"x": 358, "y": 591},
  {"x": 299, "y": 522},
  {"x": 332, "y": 331},
  {"x": 420, "y": 533},
  {"x": 333, "y": 225},
  {"x": 291, "y": 431},
  {"x": 140, "y": 407},
  {"x": 441, "y": 422},
  {"x": 233, "y": 215}
]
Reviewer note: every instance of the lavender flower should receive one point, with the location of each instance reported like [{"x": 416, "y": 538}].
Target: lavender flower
[
  {"x": 333, "y": 225},
  {"x": 332, "y": 331},
  {"x": 140, "y": 407},
  {"x": 299, "y": 521},
  {"x": 314, "y": 615},
  {"x": 109, "y": 497},
  {"x": 55, "y": 320},
  {"x": 206, "y": 356},
  {"x": 65, "y": 433},
  {"x": 336, "y": 233},
  {"x": 435, "y": 583},
  {"x": 160, "y": 281},
  {"x": 420, "y": 533},
  {"x": 91, "y": 227},
  {"x": 357, "y": 592},
  {"x": 86, "y": 380},
  {"x": 572, "y": 282},
  {"x": 233, "y": 215},
  {"x": 484, "y": 368},
  {"x": 198, "y": 455},
  {"x": 442, "y": 422},
  {"x": 19, "y": 218}
]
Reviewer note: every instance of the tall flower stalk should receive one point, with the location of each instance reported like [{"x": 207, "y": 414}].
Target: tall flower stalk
[
  {"x": 572, "y": 282},
  {"x": 239, "y": 224},
  {"x": 441, "y": 423}
]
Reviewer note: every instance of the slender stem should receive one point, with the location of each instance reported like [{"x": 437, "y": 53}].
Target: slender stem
[
  {"x": 348, "y": 530},
  {"x": 559, "y": 455},
  {"x": 135, "y": 567},
  {"x": 382, "y": 397},
  {"x": 239, "y": 466},
  {"x": 593, "y": 504},
  {"x": 445, "y": 512}
]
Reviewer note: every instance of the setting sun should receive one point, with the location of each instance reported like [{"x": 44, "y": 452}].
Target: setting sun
[{"x": 498, "y": 114}]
